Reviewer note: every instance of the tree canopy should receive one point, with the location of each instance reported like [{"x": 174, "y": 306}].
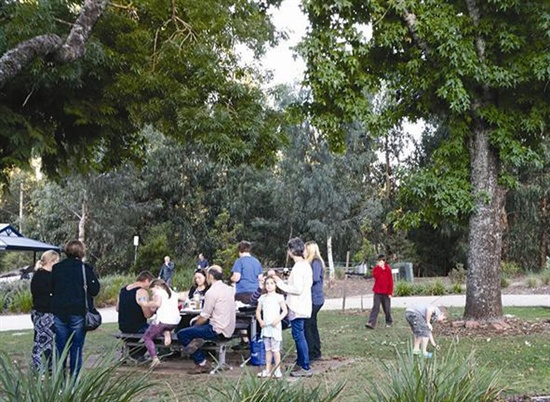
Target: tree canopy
[
  {"x": 480, "y": 68},
  {"x": 171, "y": 64}
]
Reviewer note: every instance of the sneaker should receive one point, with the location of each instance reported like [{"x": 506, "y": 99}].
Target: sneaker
[
  {"x": 368, "y": 325},
  {"x": 198, "y": 369},
  {"x": 263, "y": 374},
  {"x": 302, "y": 373},
  {"x": 193, "y": 346},
  {"x": 428, "y": 355},
  {"x": 416, "y": 352},
  {"x": 388, "y": 325},
  {"x": 278, "y": 373},
  {"x": 155, "y": 363}
]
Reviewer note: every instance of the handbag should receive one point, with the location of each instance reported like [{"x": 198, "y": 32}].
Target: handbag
[{"x": 92, "y": 318}]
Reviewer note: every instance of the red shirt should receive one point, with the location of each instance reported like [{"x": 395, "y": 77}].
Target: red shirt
[{"x": 383, "y": 280}]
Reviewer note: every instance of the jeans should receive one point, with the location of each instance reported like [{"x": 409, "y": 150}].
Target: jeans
[
  {"x": 385, "y": 300},
  {"x": 70, "y": 329},
  {"x": 298, "y": 334},
  {"x": 206, "y": 332},
  {"x": 312, "y": 333}
]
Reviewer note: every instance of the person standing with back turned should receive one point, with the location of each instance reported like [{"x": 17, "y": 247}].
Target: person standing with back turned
[
  {"x": 383, "y": 290},
  {"x": 68, "y": 302}
]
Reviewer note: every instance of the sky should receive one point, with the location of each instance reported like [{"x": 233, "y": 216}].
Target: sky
[{"x": 286, "y": 66}]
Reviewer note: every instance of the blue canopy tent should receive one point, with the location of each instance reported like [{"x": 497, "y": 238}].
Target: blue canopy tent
[{"x": 12, "y": 240}]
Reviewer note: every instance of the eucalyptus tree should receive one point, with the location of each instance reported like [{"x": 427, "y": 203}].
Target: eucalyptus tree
[
  {"x": 89, "y": 78},
  {"x": 480, "y": 67}
]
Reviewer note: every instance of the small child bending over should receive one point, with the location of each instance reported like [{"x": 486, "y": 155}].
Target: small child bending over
[
  {"x": 273, "y": 307},
  {"x": 166, "y": 319},
  {"x": 420, "y": 319}
]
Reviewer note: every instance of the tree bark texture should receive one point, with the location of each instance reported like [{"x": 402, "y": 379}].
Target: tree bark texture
[
  {"x": 483, "y": 294},
  {"x": 62, "y": 51}
]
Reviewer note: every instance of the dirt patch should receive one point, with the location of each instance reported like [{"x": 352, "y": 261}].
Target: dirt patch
[
  {"x": 509, "y": 326},
  {"x": 182, "y": 365}
]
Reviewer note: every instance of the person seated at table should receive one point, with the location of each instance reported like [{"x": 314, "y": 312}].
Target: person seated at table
[
  {"x": 216, "y": 320},
  {"x": 133, "y": 311},
  {"x": 165, "y": 302},
  {"x": 200, "y": 286}
]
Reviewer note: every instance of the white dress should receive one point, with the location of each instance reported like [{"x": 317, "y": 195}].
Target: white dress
[{"x": 271, "y": 310}]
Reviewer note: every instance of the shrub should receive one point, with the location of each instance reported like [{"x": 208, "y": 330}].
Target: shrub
[
  {"x": 545, "y": 277},
  {"x": 436, "y": 288},
  {"x": 510, "y": 269},
  {"x": 448, "y": 377},
  {"x": 339, "y": 272},
  {"x": 249, "y": 388},
  {"x": 100, "y": 382},
  {"x": 456, "y": 288},
  {"x": 110, "y": 288},
  {"x": 504, "y": 282},
  {"x": 531, "y": 281},
  {"x": 403, "y": 288},
  {"x": 458, "y": 274},
  {"x": 21, "y": 301}
]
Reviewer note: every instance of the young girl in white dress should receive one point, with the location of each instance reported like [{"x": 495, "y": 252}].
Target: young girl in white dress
[
  {"x": 270, "y": 312},
  {"x": 166, "y": 319}
]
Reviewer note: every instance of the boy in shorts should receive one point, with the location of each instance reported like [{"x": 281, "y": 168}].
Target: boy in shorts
[{"x": 421, "y": 318}]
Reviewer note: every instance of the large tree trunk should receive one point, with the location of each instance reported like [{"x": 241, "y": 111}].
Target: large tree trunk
[{"x": 483, "y": 295}]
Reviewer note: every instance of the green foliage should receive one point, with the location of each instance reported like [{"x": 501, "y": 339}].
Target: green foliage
[
  {"x": 13, "y": 293},
  {"x": 153, "y": 249},
  {"x": 403, "y": 288},
  {"x": 225, "y": 234},
  {"x": 457, "y": 289},
  {"x": 21, "y": 301},
  {"x": 545, "y": 277},
  {"x": 447, "y": 377},
  {"x": 458, "y": 275},
  {"x": 531, "y": 281},
  {"x": 110, "y": 289},
  {"x": 437, "y": 288},
  {"x": 86, "y": 114},
  {"x": 249, "y": 388},
  {"x": 510, "y": 269},
  {"x": 339, "y": 272},
  {"x": 504, "y": 282},
  {"x": 101, "y": 381},
  {"x": 10, "y": 261}
]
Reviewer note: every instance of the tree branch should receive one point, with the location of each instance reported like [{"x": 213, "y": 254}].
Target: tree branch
[{"x": 74, "y": 47}]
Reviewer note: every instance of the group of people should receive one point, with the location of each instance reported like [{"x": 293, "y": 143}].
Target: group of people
[
  {"x": 59, "y": 290},
  {"x": 149, "y": 306}
]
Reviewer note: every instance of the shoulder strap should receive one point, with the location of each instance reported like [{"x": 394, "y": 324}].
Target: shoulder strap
[{"x": 85, "y": 287}]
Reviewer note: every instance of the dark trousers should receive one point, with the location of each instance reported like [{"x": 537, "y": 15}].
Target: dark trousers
[
  {"x": 312, "y": 334},
  {"x": 385, "y": 301}
]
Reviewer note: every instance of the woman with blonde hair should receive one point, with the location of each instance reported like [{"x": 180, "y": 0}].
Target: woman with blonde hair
[
  {"x": 313, "y": 256},
  {"x": 41, "y": 314}
]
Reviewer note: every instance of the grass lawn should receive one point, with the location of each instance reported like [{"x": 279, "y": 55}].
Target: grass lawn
[{"x": 523, "y": 360}]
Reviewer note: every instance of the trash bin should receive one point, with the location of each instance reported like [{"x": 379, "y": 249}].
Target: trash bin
[{"x": 405, "y": 271}]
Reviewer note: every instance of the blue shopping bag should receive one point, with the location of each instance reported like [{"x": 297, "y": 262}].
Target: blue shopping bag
[{"x": 257, "y": 352}]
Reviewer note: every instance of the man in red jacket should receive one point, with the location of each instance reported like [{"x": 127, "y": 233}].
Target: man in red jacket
[{"x": 383, "y": 290}]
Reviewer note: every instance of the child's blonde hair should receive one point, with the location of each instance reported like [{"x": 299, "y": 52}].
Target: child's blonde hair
[{"x": 46, "y": 258}]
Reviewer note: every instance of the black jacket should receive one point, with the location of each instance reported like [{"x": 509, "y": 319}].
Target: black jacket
[{"x": 68, "y": 287}]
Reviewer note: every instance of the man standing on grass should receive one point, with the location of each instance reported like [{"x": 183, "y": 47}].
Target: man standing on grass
[{"x": 383, "y": 290}]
